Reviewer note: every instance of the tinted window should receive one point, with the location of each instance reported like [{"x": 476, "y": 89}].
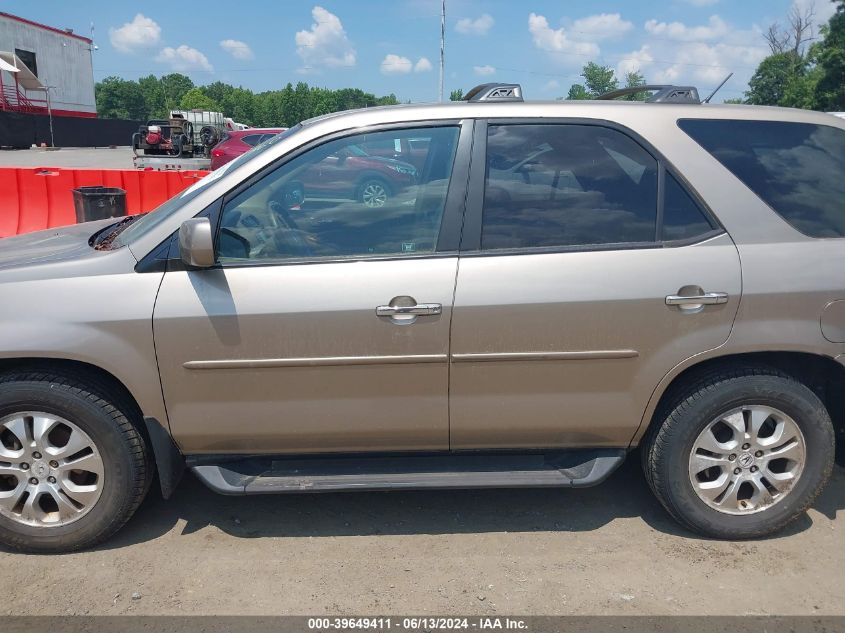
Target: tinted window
[
  {"x": 683, "y": 219},
  {"x": 566, "y": 185},
  {"x": 796, "y": 168},
  {"x": 338, "y": 201},
  {"x": 252, "y": 139}
]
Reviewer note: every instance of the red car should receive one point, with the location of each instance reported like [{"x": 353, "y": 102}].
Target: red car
[{"x": 239, "y": 142}]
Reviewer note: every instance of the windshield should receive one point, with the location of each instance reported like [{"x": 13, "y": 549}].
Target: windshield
[{"x": 153, "y": 219}]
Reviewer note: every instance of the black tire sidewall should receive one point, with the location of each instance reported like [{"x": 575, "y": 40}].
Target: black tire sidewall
[
  {"x": 119, "y": 464},
  {"x": 793, "y": 399}
]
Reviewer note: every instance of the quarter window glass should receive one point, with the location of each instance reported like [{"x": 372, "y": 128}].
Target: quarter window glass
[
  {"x": 683, "y": 219},
  {"x": 566, "y": 185},
  {"x": 252, "y": 139},
  {"x": 338, "y": 200},
  {"x": 796, "y": 168}
]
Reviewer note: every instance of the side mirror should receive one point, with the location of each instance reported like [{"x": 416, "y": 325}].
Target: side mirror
[{"x": 196, "y": 243}]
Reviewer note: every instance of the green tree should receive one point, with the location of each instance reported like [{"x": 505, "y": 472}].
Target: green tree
[
  {"x": 632, "y": 80},
  {"x": 774, "y": 75},
  {"x": 598, "y": 80},
  {"x": 577, "y": 92},
  {"x": 120, "y": 99},
  {"x": 196, "y": 99},
  {"x": 174, "y": 86},
  {"x": 156, "y": 108},
  {"x": 830, "y": 88},
  {"x": 456, "y": 95}
]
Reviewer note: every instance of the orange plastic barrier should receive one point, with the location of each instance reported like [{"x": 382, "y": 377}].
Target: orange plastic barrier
[{"x": 35, "y": 198}]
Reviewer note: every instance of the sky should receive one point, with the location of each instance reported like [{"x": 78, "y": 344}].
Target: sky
[{"x": 394, "y": 47}]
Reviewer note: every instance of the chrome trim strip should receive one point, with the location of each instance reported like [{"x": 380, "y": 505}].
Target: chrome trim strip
[
  {"x": 325, "y": 361},
  {"x": 532, "y": 356}
]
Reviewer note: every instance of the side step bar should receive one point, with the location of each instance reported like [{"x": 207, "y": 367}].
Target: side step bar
[{"x": 266, "y": 475}]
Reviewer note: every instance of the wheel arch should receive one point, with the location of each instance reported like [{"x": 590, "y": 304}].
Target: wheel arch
[
  {"x": 822, "y": 374},
  {"x": 167, "y": 457}
]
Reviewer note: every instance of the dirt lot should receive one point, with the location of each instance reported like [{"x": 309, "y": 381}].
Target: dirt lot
[{"x": 609, "y": 550}]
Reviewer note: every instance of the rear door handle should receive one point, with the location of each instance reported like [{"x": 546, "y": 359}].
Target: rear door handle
[
  {"x": 706, "y": 299},
  {"x": 421, "y": 309}
]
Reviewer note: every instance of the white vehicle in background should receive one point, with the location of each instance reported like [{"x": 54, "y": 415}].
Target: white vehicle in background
[{"x": 234, "y": 126}]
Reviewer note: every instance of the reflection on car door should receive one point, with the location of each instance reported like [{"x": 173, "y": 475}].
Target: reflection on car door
[
  {"x": 561, "y": 326},
  {"x": 335, "y": 341}
]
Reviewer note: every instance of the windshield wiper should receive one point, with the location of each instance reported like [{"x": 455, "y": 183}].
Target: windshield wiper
[{"x": 102, "y": 241}]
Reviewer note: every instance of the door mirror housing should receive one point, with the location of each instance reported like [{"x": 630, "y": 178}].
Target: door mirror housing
[{"x": 196, "y": 243}]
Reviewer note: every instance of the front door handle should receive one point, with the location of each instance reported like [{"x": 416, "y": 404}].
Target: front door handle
[
  {"x": 705, "y": 299},
  {"x": 420, "y": 309}
]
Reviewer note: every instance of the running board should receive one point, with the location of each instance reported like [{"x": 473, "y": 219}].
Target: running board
[{"x": 231, "y": 475}]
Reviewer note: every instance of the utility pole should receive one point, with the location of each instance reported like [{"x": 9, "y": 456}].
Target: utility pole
[{"x": 442, "y": 44}]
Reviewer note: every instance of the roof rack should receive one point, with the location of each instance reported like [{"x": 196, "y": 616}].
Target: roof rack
[
  {"x": 662, "y": 94},
  {"x": 495, "y": 92}
]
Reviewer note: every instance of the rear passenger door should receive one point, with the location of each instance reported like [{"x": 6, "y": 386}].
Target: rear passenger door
[{"x": 581, "y": 254}]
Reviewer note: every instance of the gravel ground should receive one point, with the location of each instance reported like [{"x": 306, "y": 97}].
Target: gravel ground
[
  {"x": 79, "y": 157},
  {"x": 605, "y": 550}
]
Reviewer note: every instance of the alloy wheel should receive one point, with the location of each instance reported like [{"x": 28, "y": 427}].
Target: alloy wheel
[
  {"x": 51, "y": 472},
  {"x": 747, "y": 460}
]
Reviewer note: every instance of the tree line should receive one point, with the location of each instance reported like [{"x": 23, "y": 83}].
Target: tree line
[
  {"x": 154, "y": 97},
  {"x": 804, "y": 70},
  {"x": 806, "y": 67}
]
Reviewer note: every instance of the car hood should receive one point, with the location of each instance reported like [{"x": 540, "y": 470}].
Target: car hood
[{"x": 50, "y": 246}]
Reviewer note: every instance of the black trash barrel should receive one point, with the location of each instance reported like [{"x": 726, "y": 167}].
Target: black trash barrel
[{"x": 99, "y": 203}]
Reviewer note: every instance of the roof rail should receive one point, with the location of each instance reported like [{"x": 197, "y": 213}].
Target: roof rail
[
  {"x": 662, "y": 94},
  {"x": 495, "y": 92}
]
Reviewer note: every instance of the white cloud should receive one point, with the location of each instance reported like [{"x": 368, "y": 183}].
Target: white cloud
[
  {"x": 422, "y": 65},
  {"x": 184, "y": 59},
  {"x": 237, "y": 49},
  {"x": 559, "y": 41},
  {"x": 396, "y": 65},
  {"x": 485, "y": 70},
  {"x": 551, "y": 85},
  {"x": 479, "y": 26},
  {"x": 141, "y": 33},
  {"x": 601, "y": 26},
  {"x": 701, "y": 56},
  {"x": 635, "y": 61},
  {"x": 715, "y": 28},
  {"x": 824, "y": 9},
  {"x": 326, "y": 43}
]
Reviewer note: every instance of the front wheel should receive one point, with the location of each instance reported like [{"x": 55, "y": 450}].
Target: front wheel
[
  {"x": 741, "y": 453},
  {"x": 73, "y": 467}
]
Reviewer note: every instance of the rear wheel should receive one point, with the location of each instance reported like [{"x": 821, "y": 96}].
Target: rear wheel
[
  {"x": 741, "y": 453},
  {"x": 73, "y": 467}
]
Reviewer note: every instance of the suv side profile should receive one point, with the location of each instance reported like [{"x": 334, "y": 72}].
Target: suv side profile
[{"x": 556, "y": 285}]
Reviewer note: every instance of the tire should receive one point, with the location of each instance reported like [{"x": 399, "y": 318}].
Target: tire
[
  {"x": 104, "y": 420},
  {"x": 701, "y": 410},
  {"x": 367, "y": 192}
]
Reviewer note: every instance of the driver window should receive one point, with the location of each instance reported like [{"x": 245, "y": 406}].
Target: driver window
[{"x": 341, "y": 200}]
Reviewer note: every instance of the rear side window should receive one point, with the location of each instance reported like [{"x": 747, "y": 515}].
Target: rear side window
[
  {"x": 566, "y": 185},
  {"x": 798, "y": 169},
  {"x": 253, "y": 139}
]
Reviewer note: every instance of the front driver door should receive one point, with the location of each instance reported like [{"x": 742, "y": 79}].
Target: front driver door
[{"x": 325, "y": 326}]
